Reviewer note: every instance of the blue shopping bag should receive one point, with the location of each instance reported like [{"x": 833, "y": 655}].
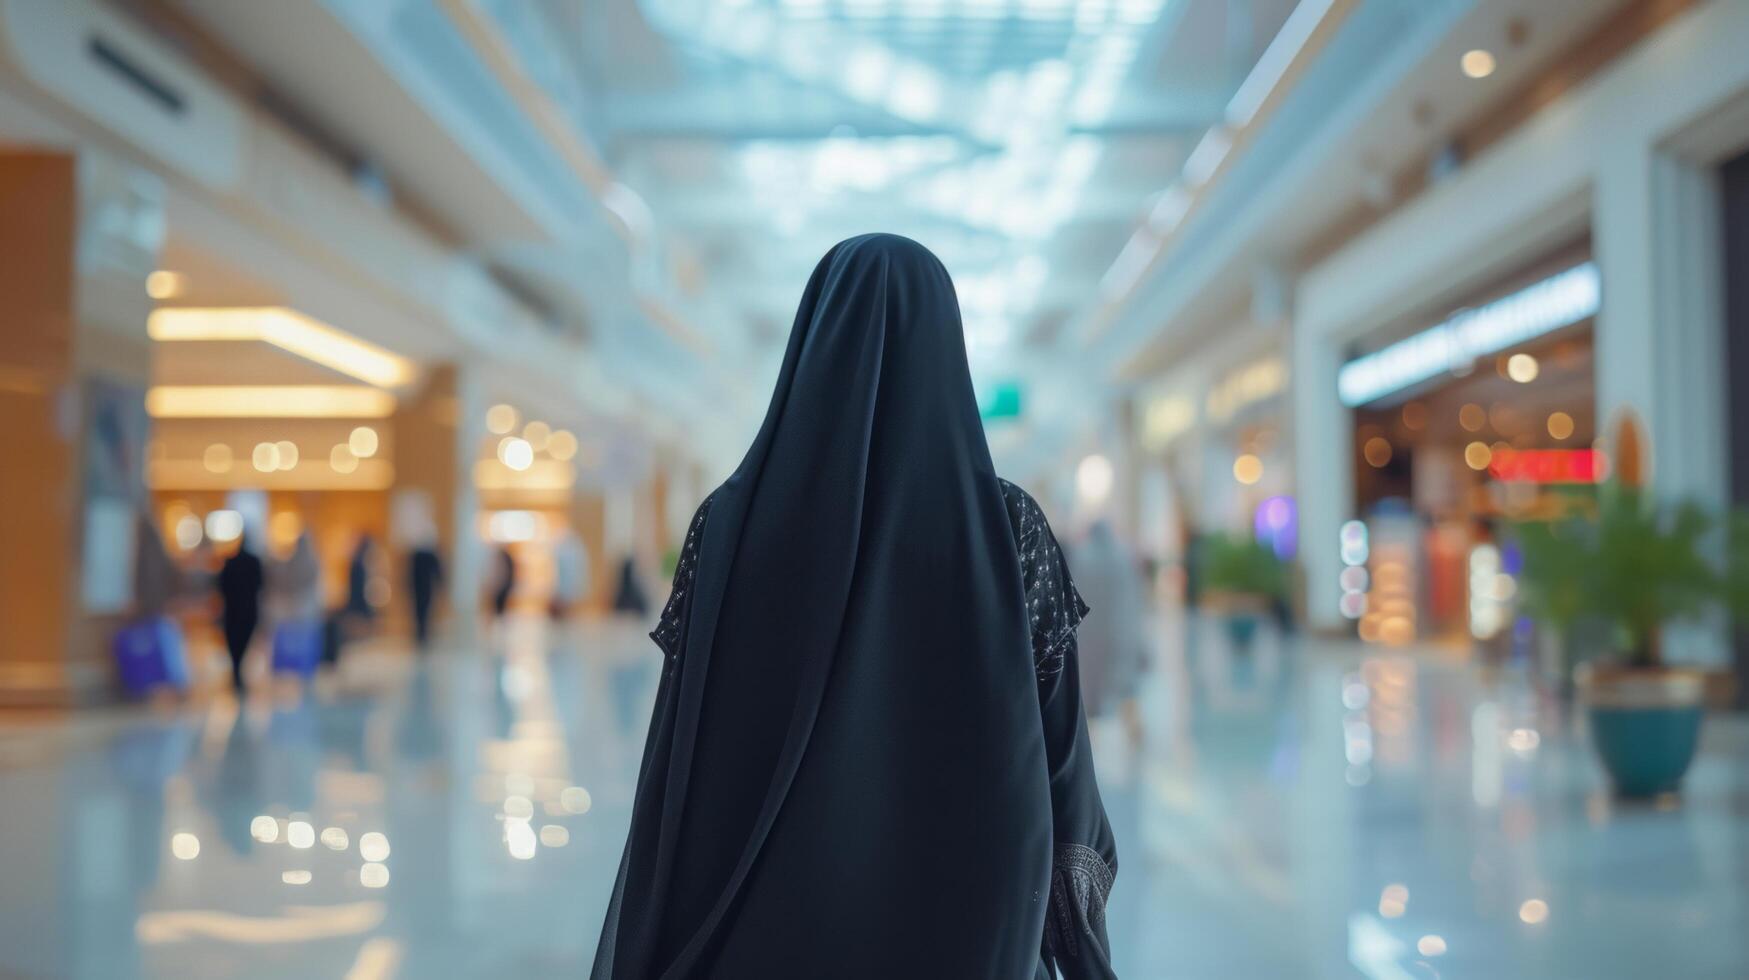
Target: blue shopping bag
[
  {"x": 297, "y": 647},
  {"x": 150, "y": 652}
]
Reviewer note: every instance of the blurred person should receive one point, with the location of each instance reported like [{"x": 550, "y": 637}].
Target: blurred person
[
  {"x": 158, "y": 582},
  {"x": 424, "y": 575},
  {"x": 1113, "y": 645},
  {"x": 198, "y": 576},
  {"x": 629, "y": 596},
  {"x": 294, "y": 585},
  {"x": 359, "y": 608},
  {"x": 240, "y": 582},
  {"x": 295, "y": 601},
  {"x": 352, "y": 619},
  {"x": 149, "y": 647},
  {"x": 503, "y": 581},
  {"x": 570, "y": 573},
  {"x": 868, "y": 756}
]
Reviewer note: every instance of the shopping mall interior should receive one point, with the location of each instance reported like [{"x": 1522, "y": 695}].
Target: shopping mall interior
[{"x": 365, "y": 362}]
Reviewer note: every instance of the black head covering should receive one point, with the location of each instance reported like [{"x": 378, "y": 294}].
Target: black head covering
[{"x": 846, "y": 759}]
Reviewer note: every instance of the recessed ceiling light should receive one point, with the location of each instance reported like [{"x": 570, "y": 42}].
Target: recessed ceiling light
[
  {"x": 288, "y": 330},
  {"x": 164, "y": 284},
  {"x": 1477, "y": 63}
]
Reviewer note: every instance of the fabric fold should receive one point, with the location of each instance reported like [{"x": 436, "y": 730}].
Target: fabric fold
[{"x": 846, "y": 773}]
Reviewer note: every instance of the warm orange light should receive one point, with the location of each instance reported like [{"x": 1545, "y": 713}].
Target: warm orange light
[
  {"x": 1248, "y": 469},
  {"x": 1560, "y": 425},
  {"x": 287, "y": 453},
  {"x": 1522, "y": 368},
  {"x": 1477, "y": 455},
  {"x": 284, "y": 527},
  {"x": 217, "y": 458},
  {"x": 562, "y": 445},
  {"x": 363, "y": 442},
  {"x": 189, "y": 474},
  {"x": 342, "y": 460},
  {"x": 1377, "y": 451},
  {"x": 500, "y": 419},
  {"x": 1477, "y": 63},
  {"x": 288, "y": 330},
  {"x": 268, "y": 401},
  {"x": 164, "y": 284},
  {"x": 540, "y": 474}
]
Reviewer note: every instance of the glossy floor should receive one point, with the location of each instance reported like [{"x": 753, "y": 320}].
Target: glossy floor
[{"x": 1305, "y": 810}]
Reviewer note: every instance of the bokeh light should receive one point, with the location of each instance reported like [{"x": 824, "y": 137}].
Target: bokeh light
[
  {"x": 362, "y": 442},
  {"x": 500, "y": 419},
  {"x": 1560, "y": 425}
]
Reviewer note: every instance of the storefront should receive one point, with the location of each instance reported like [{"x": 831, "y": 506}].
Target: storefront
[
  {"x": 1629, "y": 163},
  {"x": 1461, "y": 424},
  {"x": 1212, "y": 453}
]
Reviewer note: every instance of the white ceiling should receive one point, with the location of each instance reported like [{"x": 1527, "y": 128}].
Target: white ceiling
[
  {"x": 1023, "y": 140},
  {"x": 1019, "y": 139}
]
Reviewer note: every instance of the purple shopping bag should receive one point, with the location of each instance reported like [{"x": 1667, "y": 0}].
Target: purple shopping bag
[
  {"x": 149, "y": 652},
  {"x": 297, "y": 647}
]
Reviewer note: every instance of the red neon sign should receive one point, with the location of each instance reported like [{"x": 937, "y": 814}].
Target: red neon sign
[{"x": 1547, "y": 465}]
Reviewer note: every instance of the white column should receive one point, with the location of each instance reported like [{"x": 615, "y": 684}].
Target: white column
[
  {"x": 1323, "y": 441},
  {"x": 1660, "y": 343},
  {"x": 465, "y": 576},
  {"x": 1660, "y": 336}
]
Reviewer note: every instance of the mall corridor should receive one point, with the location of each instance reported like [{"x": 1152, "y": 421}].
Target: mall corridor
[
  {"x": 1143, "y": 489},
  {"x": 1303, "y": 809}
]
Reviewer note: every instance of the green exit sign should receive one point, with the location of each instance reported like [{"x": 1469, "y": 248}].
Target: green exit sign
[{"x": 1001, "y": 401}]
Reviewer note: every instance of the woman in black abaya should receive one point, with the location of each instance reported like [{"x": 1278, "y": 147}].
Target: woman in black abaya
[{"x": 868, "y": 756}]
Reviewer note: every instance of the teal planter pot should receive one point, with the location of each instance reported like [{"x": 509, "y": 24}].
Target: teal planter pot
[
  {"x": 1645, "y": 725},
  {"x": 1241, "y": 630},
  {"x": 1646, "y": 750}
]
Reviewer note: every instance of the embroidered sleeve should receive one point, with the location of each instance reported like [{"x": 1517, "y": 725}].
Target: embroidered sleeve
[
  {"x": 1080, "y": 884},
  {"x": 670, "y": 627},
  {"x": 1053, "y": 606}
]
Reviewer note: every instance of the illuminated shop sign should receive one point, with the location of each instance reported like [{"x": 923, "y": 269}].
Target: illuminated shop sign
[
  {"x": 1247, "y": 386},
  {"x": 1164, "y": 419},
  {"x": 1547, "y": 465},
  {"x": 1561, "y": 300}
]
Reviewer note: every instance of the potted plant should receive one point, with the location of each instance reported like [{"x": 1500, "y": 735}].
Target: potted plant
[
  {"x": 1635, "y": 566},
  {"x": 1242, "y": 581}
]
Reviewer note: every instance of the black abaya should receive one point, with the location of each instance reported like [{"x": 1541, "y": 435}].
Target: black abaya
[
  {"x": 868, "y": 757},
  {"x": 240, "y": 582}
]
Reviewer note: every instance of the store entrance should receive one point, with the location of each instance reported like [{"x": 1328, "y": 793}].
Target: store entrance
[{"x": 1441, "y": 470}]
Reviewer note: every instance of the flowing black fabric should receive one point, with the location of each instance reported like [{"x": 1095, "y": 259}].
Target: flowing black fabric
[{"x": 847, "y": 773}]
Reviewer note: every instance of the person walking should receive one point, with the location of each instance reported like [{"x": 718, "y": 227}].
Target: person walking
[
  {"x": 503, "y": 583},
  {"x": 240, "y": 582},
  {"x": 868, "y": 756},
  {"x": 1114, "y": 646},
  {"x": 424, "y": 575}
]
